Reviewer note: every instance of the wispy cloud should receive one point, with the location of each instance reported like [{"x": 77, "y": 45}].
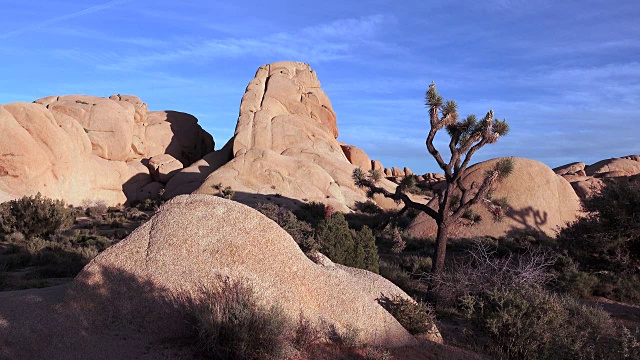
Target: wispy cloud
[
  {"x": 332, "y": 41},
  {"x": 57, "y": 19}
]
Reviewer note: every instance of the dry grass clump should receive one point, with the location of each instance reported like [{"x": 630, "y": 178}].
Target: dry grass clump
[{"x": 231, "y": 324}]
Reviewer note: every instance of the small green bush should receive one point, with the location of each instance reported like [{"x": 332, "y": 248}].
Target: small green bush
[
  {"x": 300, "y": 231},
  {"x": 230, "y": 323},
  {"x": 531, "y": 323},
  {"x": 416, "y": 317},
  {"x": 368, "y": 207},
  {"x": 346, "y": 246},
  {"x": 35, "y": 216}
]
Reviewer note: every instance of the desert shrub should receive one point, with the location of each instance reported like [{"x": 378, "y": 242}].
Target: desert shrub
[
  {"x": 364, "y": 239},
  {"x": 572, "y": 281},
  {"x": 527, "y": 322},
  {"x": 147, "y": 204},
  {"x": 394, "y": 273},
  {"x": 347, "y": 336},
  {"x": 377, "y": 353},
  {"x": 609, "y": 238},
  {"x": 34, "y": 216},
  {"x": 313, "y": 212},
  {"x": 134, "y": 214},
  {"x": 422, "y": 246},
  {"x": 13, "y": 256},
  {"x": 305, "y": 334},
  {"x": 482, "y": 270},
  {"x": 368, "y": 207},
  {"x": 416, "y": 317},
  {"x": 620, "y": 287},
  {"x": 92, "y": 240},
  {"x": 97, "y": 208},
  {"x": 398, "y": 243},
  {"x": 336, "y": 241},
  {"x": 299, "y": 230},
  {"x": 56, "y": 261},
  {"x": 416, "y": 264},
  {"x": 346, "y": 246},
  {"x": 231, "y": 324}
]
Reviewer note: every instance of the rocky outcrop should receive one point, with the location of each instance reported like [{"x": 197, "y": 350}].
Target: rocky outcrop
[
  {"x": 587, "y": 180},
  {"x": 164, "y": 167},
  {"x": 192, "y": 241},
  {"x": 191, "y": 178},
  {"x": 377, "y": 165},
  {"x": 538, "y": 200},
  {"x": 357, "y": 156},
  {"x": 614, "y": 168},
  {"x": 82, "y": 148},
  {"x": 285, "y": 143}
]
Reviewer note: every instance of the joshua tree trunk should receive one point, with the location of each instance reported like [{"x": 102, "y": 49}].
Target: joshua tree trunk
[{"x": 441, "y": 248}]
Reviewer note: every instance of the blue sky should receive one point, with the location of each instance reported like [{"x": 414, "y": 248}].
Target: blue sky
[{"x": 566, "y": 75}]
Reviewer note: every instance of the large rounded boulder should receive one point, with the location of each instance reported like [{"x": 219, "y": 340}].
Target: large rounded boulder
[
  {"x": 538, "y": 201},
  {"x": 195, "y": 239}
]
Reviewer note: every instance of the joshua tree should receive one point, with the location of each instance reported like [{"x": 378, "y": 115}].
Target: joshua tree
[{"x": 467, "y": 137}]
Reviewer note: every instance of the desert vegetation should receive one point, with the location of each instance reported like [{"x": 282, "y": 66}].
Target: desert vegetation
[
  {"x": 454, "y": 201},
  {"x": 229, "y": 322},
  {"x": 43, "y": 242},
  {"x": 527, "y": 295},
  {"x": 521, "y": 296}
]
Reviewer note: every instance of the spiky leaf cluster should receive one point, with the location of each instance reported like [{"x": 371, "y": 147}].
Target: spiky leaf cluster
[
  {"x": 504, "y": 167},
  {"x": 468, "y": 131}
]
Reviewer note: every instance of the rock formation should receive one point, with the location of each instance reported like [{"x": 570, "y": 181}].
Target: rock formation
[
  {"x": 357, "y": 157},
  {"x": 84, "y": 148},
  {"x": 192, "y": 240},
  {"x": 538, "y": 200},
  {"x": 587, "y": 180},
  {"x": 285, "y": 143}
]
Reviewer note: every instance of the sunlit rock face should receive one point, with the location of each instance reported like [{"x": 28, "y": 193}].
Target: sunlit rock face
[
  {"x": 587, "y": 180},
  {"x": 81, "y": 148},
  {"x": 538, "y": 201},
  {"x": 285, "y": 143}
]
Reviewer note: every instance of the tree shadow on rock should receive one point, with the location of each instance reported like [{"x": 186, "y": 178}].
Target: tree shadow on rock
[{"x": 528, "y": 219}]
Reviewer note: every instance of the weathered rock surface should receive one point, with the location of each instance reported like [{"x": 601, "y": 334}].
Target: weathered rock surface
[
  {"x": 587, "y": 186},
  {"x": 377, "y": 165},
  {"x": 396, "y": 172},
  {"x": 357, "y": 156},
  {"x": 191, "y": 178},
  {"x": 539, "y": 200},
  {"x": 587, "y": 180},
  {"x": 194, "y": 239},
  {"x": 163, "y": 167},
  {"x": 85, "y": 148},
  {"x": 618, "y": 166},
  {"x": 569, "y": 168},
  {"x": 285, "y": 142}
]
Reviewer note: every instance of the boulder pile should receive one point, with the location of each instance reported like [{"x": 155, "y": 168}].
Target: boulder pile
[
  {"x": 85, "y": 149},
  {"x": 587, "y": 179}
]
